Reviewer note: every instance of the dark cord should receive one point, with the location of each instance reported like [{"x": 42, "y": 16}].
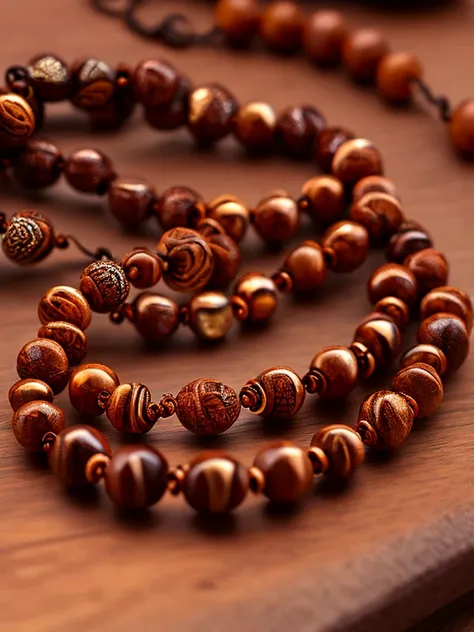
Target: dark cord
[
  {"x": 62, "y": 241},
  {"x": 441, "y": 103},
  {"x": 107, "y": 7}
]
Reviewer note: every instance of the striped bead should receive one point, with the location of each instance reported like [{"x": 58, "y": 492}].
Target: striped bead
[{"x": 128, "y": 409}]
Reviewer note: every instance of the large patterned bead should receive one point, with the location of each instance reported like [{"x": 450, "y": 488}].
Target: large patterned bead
[
  {"x": 343, "y": 448},
  {"x": 385, "y": 419},
  {"x": 128, "y": 409},
  {"x": 29, "y": 238},
  {"x": 71, "y": 338},
  {"x": 277, "y": 393},
  {"x": 421, "y": 382},
  {"x": 17, "y": 121},
  {"x": 105, "y": 286}
]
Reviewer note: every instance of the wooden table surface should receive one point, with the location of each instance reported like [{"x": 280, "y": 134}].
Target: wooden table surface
[{"x": 387, "y": 551}]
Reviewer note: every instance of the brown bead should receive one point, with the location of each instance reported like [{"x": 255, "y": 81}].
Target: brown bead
[
  {"x": 232, "y": 214},
  {"x": 361, "y": 53},
  {"x": 393, "y": 279},
  {"x": 136, "y": 476},
  {"x": 448, "y": 333},
  {"x": 259, "y": 293},
  {"x": 67, "y": 304},
  {"x": 282, "y": 26},
  {"x": 343, "y": 447},
  {"x": 179, "y": 206},
  {"x": 428, "y": 354},
  {"x": 33, "y": 420},
  {"x": 396, "y": 75},
  {"x": 238, "y": 20},
  {"x": 156, "y": 82},
  {"x": 29, "y": 238},
  {"x": 104, "y": 285},
  {"x": 277, "y": 393},
  {"x": 276, "y": 219},
  {"x": 461, "y": 128},
  {"x": 29, "y": 390},
  {"x": 89, "y": 171},
  {"x": 389, "y": 417},
  {"x": 155, "y": 317},
  {"x": 211, "y": 110},
  {"x": 128, "y": 409},
  {"x": 90, "y": 387},
  {"x": 374, "y": 184},
  {"x": 254, "y": 126},
  {"x": 93, "y": 84},
  {"x": 422, "y": 383},
  {"x": 323, "y": 199},
  {"x": 297, "y": 129},
  {"x": 306, "y": 266},
  {"x": 287, "y": 471},
  {"x": 70, "y": 337},
  {"x": 49, "y": 77},
  {"x": 338, "y": 368},
  {"x": 356, "y": 159},
  {"x": 207, "y": 407},
  {"x": 215, "y": 483},
  {"x": 430, "y": 268},
  {"x": 39, "y": 165},
  {"x": 44, "y": 360},
  {"x": 327, "y": 144},
  {"x": 210, "y": 315},
  {"x": 395, "y": 308},
  {"x": 142, "y": 268},
  {"x": 119, "y": 107},
  {"x": 173, "y": 114},
  {"x": 324, "y": 35},
  {"x": 380, "y": 213},
  {"x": 71, "y": 450},
  {"x": 409, "y": 238},
  {"x": 130, "y": 200},
  {"x": 347, "y": 244},
  {"x": 449, "y": 300},
  {"x": 17, "y": 121},
  {"x": 382, "y": 338},
  {"x": 226, "y": 259}
]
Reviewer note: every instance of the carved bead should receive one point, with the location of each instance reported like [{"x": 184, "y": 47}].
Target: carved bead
[
  {"x": 356, "y": 159},
  {"x": 430, "y": 268},
  {"x": 449, "y": 300},
  {"x": 254, "y": 126},
  {"x": 128, "y": 409},
  {"x": 338, "y": 369},
  {"x": 259, "y": 293},
  {"x": 343, "y": 447},
  {"x": 49, "y": 77},
  {"x": 306, "y": 266},
  {"x": 142, "y": 268},
  {"x": 39, "y": 165},
  {"x": 130, "y": 200},
  {"x": 395, "y": 308},
  {"x": 374, "y": 184},
  {"x": 70, "y": 337},
  {"x": 33, "y": 420},
  {"x": 382, "y": 338},
  {"x": 297, "y": 129},
  {"x": 179, "y": 206},
  {"x": 67, "y": 304},
  {"x": 90, "y": 388},
  {"x": 282, "y": 26},
  {"x": 156, "y": 82},
  {"x": 238, "y": 20},
  {"x": 89, "y": 171},
  {"x": 227, "y": 258},
  {"x": 323, "y": 198},
  {"x": 93, "y": 84},
  {"x": 211, "y": 110},
  {"x": 17, "y": 121},
  {"x": 389, "y": 417},
  {"x": 347, "y": 244},
  {"x": 327, "y": 143},
  {"x": 104, "y": 285},
  {"x": 422, "y": 383},
  {"x": 29, "y": 238},
  {"x": 29, "y": 390},
  {"x": 362, "y": 52},
  {"x": 393, "y": 279},
  {"x": 427, "y": 354},
  {"x": 155, "y": 317},
  {"x": 448, "y": 333},
  {"x": 380, "y": 213},
  {"x": 210, "y": 315},
  {"x": 277, "y": 393},
  {"x": 232, "y": 214},
  {"x": 276, "y": 219},
  {"x": 409, "y": 238},
  {"x": 44, "y": 360}
]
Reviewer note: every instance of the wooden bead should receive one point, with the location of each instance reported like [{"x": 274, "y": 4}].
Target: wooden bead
[
  {"x": 130, "y": 200},
  {"x": 104, "y": 285},
  {"x": 282, "y": 26},
  {"x": 142, "y": 268},
  {"x": 287, "y": 471},
  {"x": 347, "y": 244},
  {"x": 362, "y": 52},
  {"x": 113, "y": 114},
  {"x": 461, "y": 128},
  {"x": 380, "y": 213},
  {"x": 71, "y": 450},
  {"x": 17, "y": 121},
  {"x": 448, "y": 333},
  {"x": 396, "y": 75},
  {"x": 128, "y": 409},
  {"x": 179, "y": 206},
  {"x": 67, "y": 304},
  {"x": 427, "y": 354},
  {"x": 33, "y": 420},
  {"x": 89, "y": 171},
  {"x": 29, "y": 238},
  {"x": 343, "y": 447},
  {"x": 44, "y": 360},
  {"x": 173, "y": 114},
  {"x": 382, "y": 338},
  {"x": 254, "y": 126},
  {"x": 90, "y": 388},
  {"x": 449, "y": 300},
  {"x": 387, "y": 419},
  {"x": 210, "y": 315},
  {"x": 49, "y": 77},
  {"x": 306, "y": 266},
  {"x": 155, "y": 317},
  {"x": 297, "y": 129},
  {"x": 430, "y": 267},
  {"x": 211, "y": 110},
  {"x": 409, "y": 238},
  {"x": 155, "y": 82},
  {"x": 356, "y": 159},
  {"x": 259, "y": 293},
  {"x": 422, "y": 383},
  {"x": 393, "y": 279},
  {"x": 338, "y": 368},
  {"x": 136, "y": 476},
  {"x": 207, "y": 407},
  {"x": 29, "y": 390},
  {"x": 372, "y": 184},
  {"x": 232, "y": 214},
  {"x": 93, "y": 84},
  {"x": 323, "y": 199},
  {"x": 277, "y": 393},
  {"x": 70, "y": 337},
  {"x": 324, "y": 35},
  {"x": 276, "y": 219},
  {"x": 239, "y": 20},
  {"x": 215, "y": 483},
  {"x": 39, "y": 165},
  {"x": 327, "y": 144},
  {"x": 395, "y": 308},
  {"x": 227, "y": 259}
]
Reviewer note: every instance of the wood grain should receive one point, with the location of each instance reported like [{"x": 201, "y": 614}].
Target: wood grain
[{"x": 390, "y": 549}]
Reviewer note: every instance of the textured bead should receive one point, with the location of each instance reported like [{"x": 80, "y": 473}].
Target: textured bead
[
  {"x": 380, "y": 213},
  {"x": 67, "y": 304},
  {"x": 254, "y": 126},
  {"x": 136, "y": 476},
  {"x": 211, "y": 110},
  {"x": 276, "y": 219},
  {"x": 70, "y": 337},
  {"x": 282, "y": 26},
  {"x": 323, "y": 199},
  {"x": 39, "y": 165},
  {"x": 130, "y": 200},
  {"x": 104, "y": 285},
  {"x": 430, "y": 268},
  {"x": 128, "y": 409},
  {"x": 173, "y": 114},
  {"x": 142, "y": 268},
  {"x": 92, "y": 84},
  {"x": 90, "y": 386},
  {"x": 44, "y": 360},
  {"x": 448, "y": 333},
  {"x": 327, "y": 144},
  {"x": 155, "y": 317},
  {"x": 409, "y": 238},
  {"x": 238, "y": 20},
  {"x": 33, "y": 420},
  {"x": 392, "y": 279},
  {"x": 227, "y": 258},
  {"x": 347, "y": 244},
  {"x": 422, "y": 383},
  {"x": 324, "y": 35},
  {"x": 232, "y": 214},
  {"x": 338, "y": 368},
  {"x": 396, "y": 75},
  {"x": 356, "y": 159},
  {"x": 395, "y": 308},
  {"x": 210, "y": 315},
  {"x": 306, "y": 266},
  {"x": 155, "y": 82},
  {"x": 382, "y": 338},
  {"x": 343, "y": 447},
  {"x": 361, "y": 53},
  {"x": 179, "y": 206},
  {"x": 374, "y": 184},
  {"x": 449, "y": 300},
  {"x": 461, "y": 128},
  {"x": 49, "y": 77},
  {"x": 17, "y": 121},
  {"x": 390, "y": 418},
  {"x": 259, "y": 293},
  {"x": 207, "y": 407},
  {"x": 297, "y": 129},
  {"x": 89, "y": 171},
  {"x": 277, "y": 393},
  {"x": 428, "y": 354},
  {"x": 29, "y": 390},
  {"x": 29, "y": 238}
]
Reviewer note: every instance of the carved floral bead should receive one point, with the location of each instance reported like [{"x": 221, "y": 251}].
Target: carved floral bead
[
  {"x": 210, "y": 315},
  {"x": 259, "y": 294},
  {"x": 430, "y": 268},
  {"x": 337, "y": 369},
  {"x": 448, "y": 333},
  {"x": 128, "y": 409},
  {"x": 297, "y": 129},
  {"x": 449, "y": 300},
  {"x": 382, "y": 338},
  {"x": 33, "y": 420},
  {"x": 323, "y": 198},
  {"x": 277, "y": 393},
  {"x": 385, "y": 419},
  {"x": 380, "y": 213},
  {"x": 142, "y": 268},
  {"x": 421, "y": 382},
  {"x": 343, "y": 447},
  {"x": 427, "y": 354},
  {"x": 155, "y": 317},
  {"x": 232, "y": 214},
  {"x": 70, "y": 337},
  {"x": 44, "y": 360},
  {"x": 92, "y": 84},
  {"x": 105, "y": 286},
  {"x": 179, "y": 206},
  {"x": 67, "y": 304},
  {"x": 29, "y": 390},
  {"x": 374, "y": 184},
  {"x": 306, "y": 266},
  {"x": 29, "y": 238},
  {"x": 211, "y": 110},
  {"x": 347, "y": 244},
  {"x": 50, "y": 78},
  {"x": 356, "y": 159},
  {"x": 254, "y": 126},
  {"x": 90, "y": 387},
  {"x": 17, "y": 121},
  {"x": 393, "y": 279},
  {"x": 276, "y": 219}
]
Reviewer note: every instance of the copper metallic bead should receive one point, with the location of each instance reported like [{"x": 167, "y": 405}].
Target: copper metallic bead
[
  {"x": 173, "y": 114},
  {"x": 277, "y": 393},
  {"x": 356, "y": 159},
  {"x": 39, "y": 165},
  {"x": 287, "y": 471},
  {"x": 254, "y": 126},
  {"x": 260, "y": 295},
  {"x": 449, "y": 300},
  {"x": 136, "y": 476},
  {"x": 343, "y": 447},
  {"x": 306, "y": 266},
  {"x": 44, "y": 360},
  {"x": 232, "y": 214},
  {"x": 448, "y": 333},
  {"x": 347, "y": 245},
  {"x": 17, "y": 121},
  {"x": 297, "y": 129},
  {"x": 90, "y": 388},
  {"x": 93, "y": 84},
  {"x": 207, "y": 407},
  {"x": 362, "y": 52},
  {"x": 72, "y": 449},
  {"x": 461, "y": 128},
  {"x": 179, "y": 206},
  {"x": 128, "y": 409},
  {"x": 382, "y": 338},
  {"x": 385, "y": 419},
  {"x": 276, "y": 219},
  {"x": 430, "y": 267},
  {"x": 372, "y": 184},
  {"x": 130, "y": 200},
  {"x": 323, "y": 199},
  {"x": 215, "y": 483},
  {"x": 282, "y": 26},
  {"x": 29, "y": 390},
  {"x": 49, "y": 77},
  {"x": 211, "y": 110},
  {"x": 29, "y": 238},
  {"x": 409, "y": 238},
  {"x": 427, "y": 354},
  {"x": 142, "y": 268},
  {"x": 380, "y": 213},
  {"x": 338, "y": 368},
  {"x": 70, "y": 337},
  {"x": 67, "y": 304},
  {"x": 227, "y": 258},
  {"x": 155, "y": 82},
  {"x": 89, "y": 171},
  {"x": 210, "y": 315},
  {"x": 239, "y": 20},
  {"x": 33, "y": 420},
  {"x": 327, "y": 144},
  {"x": 422, "y": 383},
  {"x": 396, "y": 75},
  {"x": 155, "y": 317},
  {"x": 105, "y": 286},
  {"x": 324, "y": 35},
  {"x": 393, "y": 279},
  {"x": 395, "y": 308}
]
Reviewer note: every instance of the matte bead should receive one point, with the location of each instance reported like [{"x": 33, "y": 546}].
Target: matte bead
[
  {"x": 44, "y": 360},
  {"x": 422, "y": 383},
  {"x": 323, "y": 199},
  {"x": 393, "y": 279},
  {"x": 297, "y": 129},
  {"x": 130, "y": 200},
  {"x": 17, "y": 121},
  {"x": 104, "y": 285},
  {"x": 39, "y": 165},
  {"x": 179, "y": 206},
  {"x": 339, "y": 371},
  {"x": 210, "y": 315},
  {"x": 89, "y": 171},
  {"x": 382, "y": 338},
  {"x": 282, "y": 26},
  {"x": 29, "y": 238},
  {"x": 239, "y": 20},
  {"x": 93, "y": 84},
  {"x": 128, "y": 409},
  {"x": 327, "y": 144},
  {"x": 306, "y": 266},
  {"x": 71, "y": 338},
  {"x": 374, "y": 184},
  {"x": 449, "y": 300},
  {"x": 409, "y": 238},
  {"x": 277, "y": 393},
  {"x": 156, "y": 82},
  {"x": 396, "y": 75},
  {"x": 380, "y": 213},
  {"x": 90, "y": 386},
  {"x": 428, "y": 354},
  {"x": 211, "y": 110},
  {"x": 448, "y": 333},
  {"x": 395, "y": 308},
  {"x": 254, "y": 126},
  {"x": 259, "y": 293},
  {"x": 29, "y": 390},
  {"x": 361, "y": 53},
  {"x": 173, "y": 114},
  {"x": 343, "y": 448},
  {"x": 33, "y": 420},
  {"x": 389, "y": 415},
  {"x": 232, "y": 214},
  {"x": 276, "y": 219},
  {"x": 67, "y": 304},
  {"x": 49, "y": 77},
  {"x": 430, "y": 268},
  {"x": 347, "y": 244},
  {"x": 155, "y": 317},
  {"x": 142, "y": 268},
  {"x": 461, "y": 128},
  {"x": 324, "y": 35},
  {"x": 356, "y": 159}
]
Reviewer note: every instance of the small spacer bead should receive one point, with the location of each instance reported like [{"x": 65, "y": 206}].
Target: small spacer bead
[
  {"x": 319, "y": 459},
  {"x": 95, "y": 467},
  {"x": 256, "y": 480},
  {"x": 365, "y": 359},
  {"x": 176, "y": 478},
  {"x": 367, "y": 434},
  {"x": 103, "y": 399},
  {"x": 48, "y": 441},
  {"x": 283, "y": 281},
  {"x": 239, "y": 307},
  {"x": 183, "y": 314},
  {"x": 314, "y": 382},
  {"x": 61, "y": 242},
  {"x": 167, "y": 405},
  {"x": 117, "y": 317},
  {"x": 302, "y": 203}
]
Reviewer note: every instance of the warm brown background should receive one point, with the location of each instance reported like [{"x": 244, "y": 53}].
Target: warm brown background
[{"x": 396, "y": 545}]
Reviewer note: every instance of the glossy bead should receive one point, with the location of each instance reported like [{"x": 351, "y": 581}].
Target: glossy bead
[
  {"x": 33, "y": 420},
  {"x": 277, "y": 393},
  {"x": 449, "y": 300},
  {"x": 39, "y": 165},
  {"x": 17, "y": 121},
  {"x": 156, "y": 82},
  {"x": 338, "y": 368},
  {"x": 128, "y": 409},
  {"x": 422, "y": 383},
  {"x": 392, "y": 279},
  {"x": 44, "y": 360},
  {"x": 287, "y": 471},
  {"x": 49, "y": 77},
  {"x": 207, "y": 407},
  {"x": 306, "y": 266},
  {"x": 66, "y": 304},
  {"x": 356, "y": 159},
  {"x": 254, "y": 126},
  {"x": 142, "y": 268},
  {"x": 227, "y": 259},
  {"x": 238, "y": 20},
  {"x": 323, "y": 199},
  {"x": 461, "y": 128},
  {"x": 276, "y": 219},
  {"x": 396, "y": 75},
  {"x": 210, "y": 315},
  {"x": 297, "y": 129},
  {"x": 374, "y": 184},
  {"x": 232, "y": 214},
  {"x": 282, "y": 25},
  {"x": 324, "y": 35},
  {"x": 173, "y": 114},
  {"x": 389, "y": 417},
  {"x": 361, "y": 53},
  {"x": 179, "y": 206},
  {"x": 90, "y": 386},
  {"x": 104, "y": 285},
  {"x": 259, "y": 293},
  {"x": 130, "y": 200},
  {"x": 448, "y": 333},
  {"x": 380, "y": 213},
  {"x": 71, "y": 450},
  {"x": 29, "y": 390},
  {"x": 430, "y": 268},
  {"x": 395, "y": 308},
  {"x": 343, "y": 447},
  {"x": 70, "y": 337},
  {"x": 409, "y": 238},
  {"x": 136, "y": 476},
  {"x": 215, "y": 483},
  {"x": 211, "y": 110},
  {"x": 89, "y": 171},
  {"x": 93, "y": 84},
  {"x": 327, "y": 144},
  {"x": 428, "y": 354},
  {"x": 155, "y": 317},
  {"x": 382, "y": 338},
  {"x": 347, "y": 244},
  {"x": 119, "y": 107},
  {"x": 29, "y": 238}
]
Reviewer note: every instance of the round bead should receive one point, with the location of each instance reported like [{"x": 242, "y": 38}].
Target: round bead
[
  {"x": 409, "y": 238},
  {"x": 324, "y": 35},
  {"x": 287, "y": 471},
  {"x": 382, "y": 338},
  {"x": 282, "y": 26},
  {"x": 44, "y": 360},
  {"x": 72, "y": 449},
  {"x": 461, "y": 128},
  {"x": 430, "y": 268},
  {"x": 396, "y": 74},
  {"x": 380, "y": 213},
  {"x": 173, "y": 114},
  {"x": 276, "y": 219},
  {"x": 215, "y": 483},
  {"x": 66, "y": 304},
  {"x": 92, "y": 84},
  {"x": 393, "y": 279},
  {"x": 49, "y": 77},
  {"x": 211, "y": 110},
  {"x": 232, "y": 214},
  {"x": 70, "y": 337},
  {"x": 277, "y": 393},
  {"x": 33, "y": 420},
  {"x": 207, "y": 407},
  {"x": 156, "y": 82},
  {"x": 356, "y": 159},
  {"x": 259, "y": 293},
  {"x": 449, "y": 300},
  {"x": 297, "y": 129},
  {"x": 254, "y": 126},
  {"x": 179, "y": 206},
  {"x": 339, "y": 371},
  {"x": 347, "y": 244},
  {"x": 238, "y": 20},
  {"x": 427, "y": 354},
  {"x": 130, "y": 200},
  {"x": 128, "y": 409},
  {"x": 374, "y": 184},
  {"x": 29, "y": 238},
  {"x": 323, "y": 199},
  {"x": 29, "y": 390},
  {"x": 155, "y": 317},
  {"x": 210, "y": 315},
  {"x": 422, "y": 383},
  {"x": 89, "y": 171},
  {"x": 104, "y": 285},
  {"x": 327, "y": 144},
  {"x": 39, "y": 165},
  {"x": 136, "y": 476},
  {"x": 306, "y": 266},
  {"x": 361, "y": 53},
  {"x": 395, "y": 308},
  {"x": 17, "y": 121},
  {"x": 448, "y": 333},
  {"x": 227, "y": 258},
  {"x": 142, "y": 268},
  {"x": 90, "y": 386},
  {"x": 343, "y": 447},
  {"x": 119, "y": 107},
  {"x": 390, "y": 416}
]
